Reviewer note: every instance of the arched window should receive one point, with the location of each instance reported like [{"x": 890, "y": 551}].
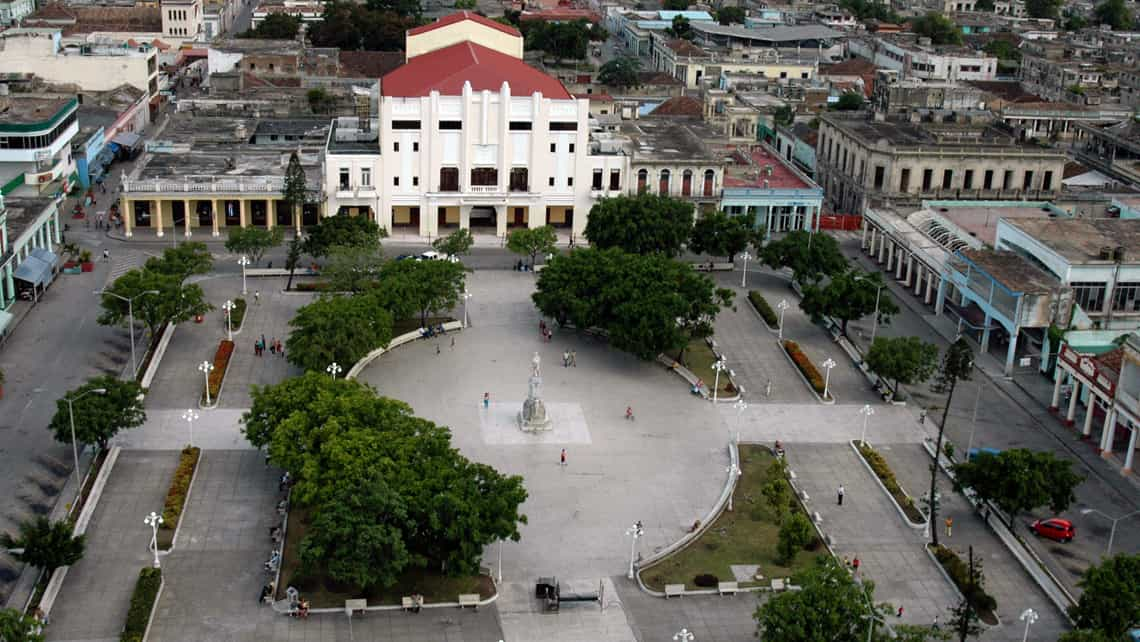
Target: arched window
[
  {"x": 642, "y": 179},
  {"x": 687, "y": 183},
  {"x": 709, "y": 179},
  {"x": 663, "y": 185}
]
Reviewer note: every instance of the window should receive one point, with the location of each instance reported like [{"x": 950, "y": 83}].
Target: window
[
  {"x": 597, "y": 182},
  {"x": 396, "y": 146},
  {"x": 1007, "y": 179},
  {"x": 366, "y": 177},
  {"x": 968, "y": 179},
  {"x": 449, "y": 179},
  {"x": 571, "y": 148},
  {"x": 1126, "y": 297},
  {"x": 687, "y": 183},
  {"x": 405, "y": 124},
  {"x": 879, "y": 173},
  {"x": 783, "y": 74},
  {"x": 396, "y": 181},
  {"x": 450, "y": 125},
  {"x": 484, "y": 176},
  {"x": 904, "y": 180},
  {"x": 564, "y": 126},
  {"x": 1047, "y": 181},
  {"x": 947, "y": 178},
  {"x": 988, "y": 179},
  {"x": 415, "y": 181},
  {"x": 1088, "y": 295},
  {"x": 415, "y": 146},
  {"x": 519, "y": 179},
  {"x": 663, "y": 183},
  {"x": 520, "y": 126},
  {"x": 570, "y": 181},
  {"x": 1027, "y": 181},
  {"x": 553, "y": 147},
  {"x": 710, "y": 178},
  {"x": 615, "y": 179},
  {"x": 344, "y": 180},
  {"x": 803, "y": 75},
  {"x": 551, "y": 182},
  {"x": 927, "y": 178},
  {"x": 642, "y": 179}
]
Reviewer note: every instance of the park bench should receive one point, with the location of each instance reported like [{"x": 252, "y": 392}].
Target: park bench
[
  {"x": 674, "y": 590},
  {"x": 407, "y": 603},
  {"x": 777, "y": 585},
  {"x": 727, "y": 588},
  {"x": 817, "y": 518},
  {"x": 355, "y": 606},
  {"x": 469, "y": 599}
]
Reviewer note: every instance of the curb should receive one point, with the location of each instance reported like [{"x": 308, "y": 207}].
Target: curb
[
  {"x": 958, "y": 591},
  {"x": 807, "y": 383},
  {"x": 883, "y": 487},
  {"x": 221, "y": 386},
  {"x": 156, "y": 358},
  {"x": 407, "y": 337},
  {"x": 688, "y": 376},
  {"x": 396, "y": 607},
  {"x": 185, "y": 503},
  {"x": 154, "y": 607},
  {"x": 764, "y": 323}
]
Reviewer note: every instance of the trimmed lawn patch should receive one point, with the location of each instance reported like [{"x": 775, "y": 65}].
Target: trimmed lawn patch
[
  {"x": 699, "y": 359},
  {"x": 746, "y": 536}
]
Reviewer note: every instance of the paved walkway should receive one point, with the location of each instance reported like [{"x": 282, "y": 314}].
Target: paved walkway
[
  {"x": 709, "y": 618},
  {"x": 97, "y": 591}
]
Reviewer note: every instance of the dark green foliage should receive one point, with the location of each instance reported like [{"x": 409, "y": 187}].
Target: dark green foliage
[
  {"x": 99, "y": 417},
  {"x": 320, "y": 101},
  {"x": 907, "y": 360},
  {"x": 765, "y": 310},
  {"x": 641, "y": 224},
  {"x": 785, "y": 115},
  {"x": 352, "y": 27},
  {"x": 17, "y": 627},
  {"x": 342, "y": 230},
  {"x": 532, "y": 241},
  {"x": 731, "y": 15},
  {"x": 253, "y": 241},
  {"x": 809, "y": 256},
  {"x": 871, "y": 10},
  {"x": 143, "y": 601},
  {"x": 719, "y": 234},
  {"x": 1018, "y": 480},
  {"x": 1003, "y": 50},
  {"x": 1114, "y": 13},
  {"x": 957, "y": 365},
  {"x": 182, "y": 261},
  {"x": 795, "y": 533},
  {"x": 849, "y": 101},
  {"x": 295, "y": 192},
  {"x": 1110, "y": 598},
  {"x": 972, "y": 584},
  {"x": 560, "y": 39},
  {"x": 421, "y": 286},
  {"x": 620, "y": 72},
  {"x": 938, "y": 28},
  {"x": 47, "y": 545},
  {"x": 830, "y": 606},
  {"x": 457, "y": 243},
  {"x": 681, "y": 28},
  {"x": 1043, "y": 8},
  {"x": 337, "y": 328},
  {"x": 172, "y": 301},
  {"x": 849, "y": 295},
  {"x": 275, "y": 26}
]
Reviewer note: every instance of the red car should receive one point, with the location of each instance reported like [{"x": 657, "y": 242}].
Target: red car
[{"x": 1054, "y": 528}]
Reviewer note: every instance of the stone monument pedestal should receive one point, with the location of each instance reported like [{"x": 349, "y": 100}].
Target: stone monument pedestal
[{"x": 533, "y": 417}]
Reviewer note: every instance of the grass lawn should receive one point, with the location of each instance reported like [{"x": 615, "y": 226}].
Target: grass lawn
[
  {"x": 699, "y": 359},
  {"x": 323, "y": 592},
  {"x": 746, "y": 536}
]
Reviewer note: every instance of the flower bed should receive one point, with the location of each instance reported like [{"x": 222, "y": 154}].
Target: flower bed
[
  {"x": 959, "y": 572},
  {"x": 879, "y": 465},
  {"x": 312, "y": 286},
  {"x": 176, "y": 495},
  {"x": 237, "y": 315},
  {"x": 805, "y": 365},
  {"x": 221, "y": 362},
  {"x": 761, "y": 305},
  {"x": 142, "y": 604}
]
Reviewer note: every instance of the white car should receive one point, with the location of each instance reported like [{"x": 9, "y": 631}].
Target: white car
[{"x": 432, "y": 255}]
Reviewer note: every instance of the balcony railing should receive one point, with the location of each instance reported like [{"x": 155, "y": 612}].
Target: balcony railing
[
  {"x": 258, "y": 184},
  {"x": 483, "y": 189}
]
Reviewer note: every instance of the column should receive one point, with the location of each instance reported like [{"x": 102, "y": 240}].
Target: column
[
  {"x": 863, "y": 237},
  {"x": 1131, "y": 450},
  {"x": 941, "y": 297},
  {"x": 899, "y": 265},
  {"x": 986, "y": 334},
  {"x": 271, "y": 214},
  {"x": 1090, "y": 408},
  {"x": 186, "y": 214},
  {"x": 918, "y": 279},
  {"x": 1108, "y": 435},
  {"x": 156, "y": 216},
  {"x": 500, "y": 220},
  {"x": 10, "y": 287},
  {"x": 242, "y": 215},
  {"x": 882, "y": 249},
  {"x": 929, "y": 287},
  {"x": 215, "y": 214},
  {"x": 870, "y": 249},
  {"x": 1059, "y": 375},
  {"x": 57, "y": 226},
  {"x": 909, "y": 269},
  {"x": 465, "y": 217},
  {"x": 1011, "y": 353},
  {"x": 1071, "y": 413}
]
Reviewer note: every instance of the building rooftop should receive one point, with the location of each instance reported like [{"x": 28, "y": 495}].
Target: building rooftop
[
  {"x": 446, "y": 70},
  {"x": 849, "y": 67},
  {"x": 1081, "y": 240},
  {"x": 785, "y": 33},
  {"x": 899, "y": 131},
  {"x": 760, "y": 168},
  {"x": 31, "y": 110},
  {"x": 347, "y": 137},
  {"x": 980, "y": 222},
  {"x": 1012, "y": 271},
  {"x": 81, "y": 19},
  {"x": 460, "y": 16},
  {"x": 369, "y": 64},
  {"x": 22, "y": 211},
  {"x": 680, "y": 106},
  {"x": 668, "y": 140}
]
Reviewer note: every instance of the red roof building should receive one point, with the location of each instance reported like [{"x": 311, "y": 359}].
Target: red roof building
[
  {"x": 446, "y": 70},
  {"x": 460, "y": 16}
]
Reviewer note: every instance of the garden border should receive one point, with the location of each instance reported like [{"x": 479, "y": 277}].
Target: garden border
[
  {"x": 185, "y": 500},
  {"x": 759, "y": 316},
  {"x": 156, "y": 358},
  {"x": 954, "y": 585},
  {"x": 803, "y": 378},
  {"x": 867, "y": 465},
  {"x": 396, "y": 342},
  {"x": 221, "y": 386}
]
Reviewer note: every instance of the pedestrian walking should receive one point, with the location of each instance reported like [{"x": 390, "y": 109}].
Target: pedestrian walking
[
  {"x": 922, "y": 416},
  {"x": 935, "y": 626},
  {"x": 257, "y": 297},
  {"x": 542, "y": 327},
  {"x": 899, "y": 614},
  {"x": 562, "y": 458},
  {"x": 486, "y": 400},
  {"x": 452, "y": 343},
  {"x": 839, "y": 494},
  {"x": 949, "y": 526},
  {"x": 768, "y": 389},
  {"x": 855, "y": 566},
  {"x": 106, "y": 255},
  {"x": 565, "y": 358},
  {"x": 273, "y": 346},
  {"x": 629, "y": 413},
  {"x": 574, "y": 358},
  {"x": 280, "y": 348},
  {"x": 437, "y": 349}
]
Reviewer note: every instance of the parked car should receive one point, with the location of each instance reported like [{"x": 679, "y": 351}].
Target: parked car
[
  {"x": 1054, "y": 528},
  {"x": 432, "y": 255}
]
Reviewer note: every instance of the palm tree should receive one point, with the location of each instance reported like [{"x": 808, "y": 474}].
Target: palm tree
[{"x": 45, "y": 544}]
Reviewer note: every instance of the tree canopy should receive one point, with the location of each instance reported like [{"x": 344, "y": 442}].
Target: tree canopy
[
  {"x": 182, "y": 261},
  {"x": 532, "y": 241},
  {"x": 1018, "y": 480},
  {"x": 620, "y": 72},
  {"x": 560, "y": 39},
  {"x": 275, "y": 26},
  {"x": 424, "y": 286},
  {"x": 342, "y": 230},
  {"x": 906, "y": 360},
  {"x": 642, "y": 224},
  {"x": 1003, "y": 50},
  {"x": 1110, "y": 598},
  {"x": 17, "y": 627},
  {"x": 720, "y": 234},
  {"x": 353, "y": 268},
  {"x": 871, "y": 10},
  {"x": 295, "y": 190},
  {"x": 646, "y": 303},
  {"x": 1114, "y": 13},
  {"x": 253, "y": 241},
  {"x": 731, "y": 15},
  {"x": 849, "y": 101},
  {"x": 957, "y": 365},
  {"x": 849, "y": 295},
  {"x": 940, "y": 29},
  {"x": 1043, "y": 8},
  {"x": 457, "y": 243},
  {"x": 680, "y": 28},
  {"x": 810, "y": 256},
  {"x": 99, "y": 416},
  {"x": 158, "y": 298},
  {"x": 337, "y": 328},
  {"x": 353, "y": 27},
  {"x": 675, "y": 5},
  {"x": 47, "y": 545}
]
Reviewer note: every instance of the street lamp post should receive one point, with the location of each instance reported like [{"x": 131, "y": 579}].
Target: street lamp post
[
  {"x": 71, "y": 416},
  {"x": 718, "y": 365},
  {"x": 190, "y": 416},
  {"x": 154, "y": 520},
  {"x": 130, "y": 321},
  {"x": 334, "y": 369},
  {"x": 500, "y": 561},
  {"x": 205, "y": 368},
  {"x": 243, "y": 261},
  {"x": 875, "y": 320},
  {"x": 866, "y": 411},
  {"x": 228, "y": 308},
  {"x": 733, "y": 471},
  {"x": 828, "y": 365},
  {"x": 974, "y": 422},
  {"x": 744, "y": 277},
  {"x": 466, "y": 297},
  {"x": 634, "y": 532},
  {"x": 741, "y": 405},
  {"x": 1029, "y": 616},
  {"x": 1115, "y": 521},
  {"x": 781, "y": 306},
  {"x": 684, "y": 635}
]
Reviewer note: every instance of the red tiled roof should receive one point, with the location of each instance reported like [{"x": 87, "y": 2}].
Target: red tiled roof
[
  {"x": 445, "y": 70},
  {"x": 369, "y": 64},
  {"x": 851, "y": 67},
  {"x": 683, "y": 47},
  {"x": 603, "y": 97},
  {"x": 680, "y": 106},
  {"x": 561, "y": 14},
  {"x": 751, "y": 174},
  {"x": 461, "y": 16}
]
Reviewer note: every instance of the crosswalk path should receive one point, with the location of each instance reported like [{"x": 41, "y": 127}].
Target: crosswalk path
[{"x": 123, "y": 262}]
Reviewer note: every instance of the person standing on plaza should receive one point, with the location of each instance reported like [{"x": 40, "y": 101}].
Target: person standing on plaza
[
  {"x": 855, "y": 566},
  {"x": 486, "y": 400},
  {"x": 574, "y": 358},
  {"x": 839, "y": 492},
  {"x": 257, "y": 297},
  {"x": 562, "y": 458},
  {"x": 565, "y": 358},
  {"x": 949, "y": 526},
  {"x": 273, "y": 346}
]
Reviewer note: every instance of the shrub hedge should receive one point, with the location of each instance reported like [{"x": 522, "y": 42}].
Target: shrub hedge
[
  {"x": 238, "y": 314},
  {"x": 761, "y": 305},
  {"x": 959, "y": 572},
  {"x": 804, "y": 364},
  {"x": 221, "y": 360},
  {"x": 312, "y": 286},
  {"x": 142, "y": 603},
  {"x": 179, "y": 487},
  {"x": 887, "y": 476}
]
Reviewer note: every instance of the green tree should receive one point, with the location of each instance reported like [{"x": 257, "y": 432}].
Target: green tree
[
  {"x": 731, "y": 15},
  {"x": 641, "y": 224},
  {"x": 293, "y": 259},
  {"x": 1114, "y": 13},
  {"x": 964, "y": 621},
  {"x": 561, "y": 39},
  {"x": 903, "y": 360},
  {"x": 377, "y": 26},
  {"x": 1003, "y": 50},
  {"x": 469, "y": 5},
  {"x": 1018, "y": 480},
  {"x": 777, "y": 494},
  {"x": 795, "y": 533},
  {"x": 353, "y": 268},
  {"x": 1087, "y": 635},
  {"x": 809, "y": 256},
  {"x": 402, "y": 8},
  {"x": 158, "y": 299},
  {"x": 532, "y": 242},
  {"x": 1075, "y": 22},
  {"x": 940, "y": 29},
  {"x": 99, "y": 416},
  {"x": 272, "y": 405},
  {"x": 253, "y": 241},
  {"x": 681, "y": 28},
  {"x": 342, "y": 230},
  {"x": 295, "y": 190},
  {"x": 850, "y": 295},
  {"x": 182, "y": 261},
  {"x": 830, "y": 606},
  {"x": 620, "y": 72},
  {"x": 320, "y": 102},
  {"x": 17, "y": 627},
  {"x": 46, "y": 545},
  {"x": 785, "y": 115},
  {"x": 458, "y": 243},
  {"x": 984, "y": 5},
  {"x": 675, "y": 5},
  {"x": 1043, "y": 8},
  {"x": 339, "y": 329},
  {"x": 425, "y": 286},
  {"x": 849, "y": 101},
  {"x": 1110, "y": 597},
  {"x": 957, "y": 365},
  {"x": 871, "y": 10},
  {"x": 720, "y": 234},
  {"x": 275, "y": 26}
]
